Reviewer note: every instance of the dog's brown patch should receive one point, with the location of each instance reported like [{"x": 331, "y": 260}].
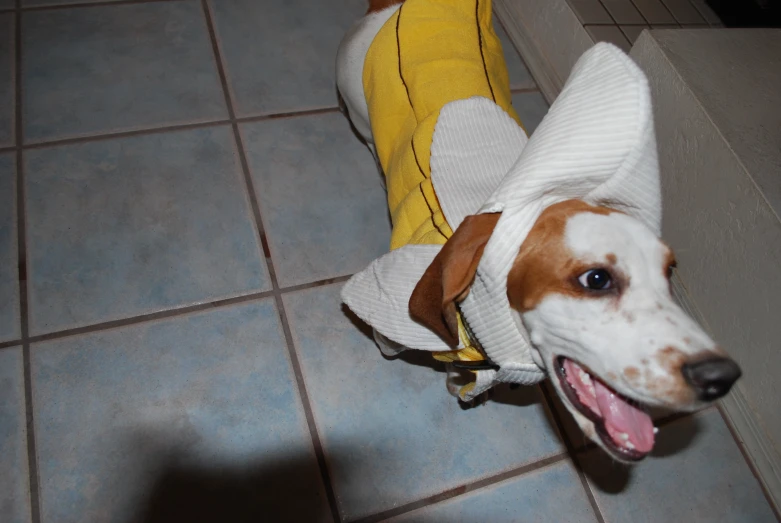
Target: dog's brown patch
[
  {"x": 669, "y": 264},
  {"x": 448, "y": 279},
  {"x": 632, "y": 375},
  {"x": 611, "y": 258},
  {"x": 378, "y": 5},
  {"x": 672, "y": 386},
  {"x": 544, "y": 264},
  {"x": 670, "y": 358}
]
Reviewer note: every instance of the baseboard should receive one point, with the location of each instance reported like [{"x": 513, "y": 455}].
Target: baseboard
[
  {"x": 756, "y": 446},
  {"x": 758, "y": 449}
]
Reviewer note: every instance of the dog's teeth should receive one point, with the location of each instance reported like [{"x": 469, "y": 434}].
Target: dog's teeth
[
  {"x": 630, "y": 445},
  {"x": 656, "y": 430},
  {"x": 624, "y": 436},
  {"x": 585, "y": 378}
]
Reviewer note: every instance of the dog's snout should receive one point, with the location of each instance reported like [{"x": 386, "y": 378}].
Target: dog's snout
[{"x": 711, "y": 378}]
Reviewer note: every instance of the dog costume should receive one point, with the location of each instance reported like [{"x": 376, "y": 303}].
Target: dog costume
[{"x": 451, "y": 146}]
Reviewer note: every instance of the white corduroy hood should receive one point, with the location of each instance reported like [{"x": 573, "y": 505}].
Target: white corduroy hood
[{"x": 596, "y": 144}]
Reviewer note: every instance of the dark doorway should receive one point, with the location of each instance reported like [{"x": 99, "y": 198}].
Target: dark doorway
[{"x": 748, "y": 13}]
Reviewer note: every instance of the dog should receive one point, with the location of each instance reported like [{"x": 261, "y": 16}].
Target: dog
[{"x": 561, "y": 276}]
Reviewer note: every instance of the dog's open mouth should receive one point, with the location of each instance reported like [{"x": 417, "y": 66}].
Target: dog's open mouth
[{"x": 622, "y": 424}]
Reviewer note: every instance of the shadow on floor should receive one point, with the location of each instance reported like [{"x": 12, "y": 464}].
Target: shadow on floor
[
  {"x": 612, "y": 477},
  {"x": 280, "y": 490}
]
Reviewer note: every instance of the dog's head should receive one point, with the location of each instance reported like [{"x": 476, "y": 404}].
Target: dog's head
[{"x": 592, "y": 288}]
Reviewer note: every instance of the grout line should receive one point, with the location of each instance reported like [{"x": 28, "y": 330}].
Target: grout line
[
  {"x": 142, "y": 318},
  {"x": 521, "y": 90},
  {"x": 124, "y": 134},
  {"x": 10, "y": 344},
  {"x": 171, "y": 313},
  {"x": 319, "y": 283},
  {"x": 172, "y": 128},
  {"x": 464, "y": 489},
  {"x": 615, "y": 25},
  {"x": 218, "y": 62},
  {"x": 308, "y": 412},
  {"x": 277, "y": 292},
  {"x": 572, "y": 453},
  {"x": 21, "y": 241},
  {"x": 664, "y": 4},
  {"x": 749, "y": 462},
  {"x": 55, "y": 7},
  {"x": 701, "y": 10},
  {"x": 288, "y": 114},
  {"x": 641, "y": 16},
  {"x": 608, "y": 14}
]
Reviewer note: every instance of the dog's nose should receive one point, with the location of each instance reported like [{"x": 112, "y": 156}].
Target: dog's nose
[{"x": 711, "y": 378}]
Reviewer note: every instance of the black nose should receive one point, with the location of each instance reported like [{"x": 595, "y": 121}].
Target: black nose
[{"x": 711, "y": 378}]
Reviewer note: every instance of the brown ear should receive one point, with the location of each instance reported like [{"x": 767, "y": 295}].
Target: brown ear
[{"x": 448, "y": 278}]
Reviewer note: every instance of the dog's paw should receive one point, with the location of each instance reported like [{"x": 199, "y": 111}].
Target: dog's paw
[{"x": 477, "y": 401}]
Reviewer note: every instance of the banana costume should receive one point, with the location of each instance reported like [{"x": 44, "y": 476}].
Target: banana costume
[
  {"x": 408, "y": 76},
  {"x": 451, "y": 145}
]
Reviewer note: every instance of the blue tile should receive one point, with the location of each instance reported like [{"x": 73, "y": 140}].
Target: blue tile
[
  {"x": 14, "y": 478},
  {"x": 391, "y": 432},
  {"x": 520, "y": 78},
  {"x": 552, "y": 494},
  {"x": 279, "y": 56},
  {"x": 7, "y": 103},
  {"x": 697, "y": 473},
  {"x": 9, "y": 278},
  {"x": 193, "y": 416},
  {"x": 129, "y": 226},
  {"x": 531, "y": 108},
  {"x": 115, "y": 68},
  {"x": 323, "y": 204}
]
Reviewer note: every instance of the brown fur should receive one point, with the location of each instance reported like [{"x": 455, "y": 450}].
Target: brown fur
[
  {"x": 544, "y": 264},
  {"x": 632, "y": 375},
  {"x": 379, "y": 5},
  {"x": 672, "y": 385},
  {"x": 448, "y": 278},
  {"x": 669, "y": 264}
]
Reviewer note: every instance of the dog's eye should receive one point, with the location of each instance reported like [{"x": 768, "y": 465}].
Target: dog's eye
[{"x": 596, "y": 279}]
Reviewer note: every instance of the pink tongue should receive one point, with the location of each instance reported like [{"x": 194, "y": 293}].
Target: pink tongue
[{"x": 621, "y": 417}]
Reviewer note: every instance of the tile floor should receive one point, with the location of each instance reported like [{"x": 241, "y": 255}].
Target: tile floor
[{"x": 180, "y": 202}]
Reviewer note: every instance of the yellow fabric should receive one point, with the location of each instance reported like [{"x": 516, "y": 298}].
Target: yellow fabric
[{"x": 408, "y": 77}]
